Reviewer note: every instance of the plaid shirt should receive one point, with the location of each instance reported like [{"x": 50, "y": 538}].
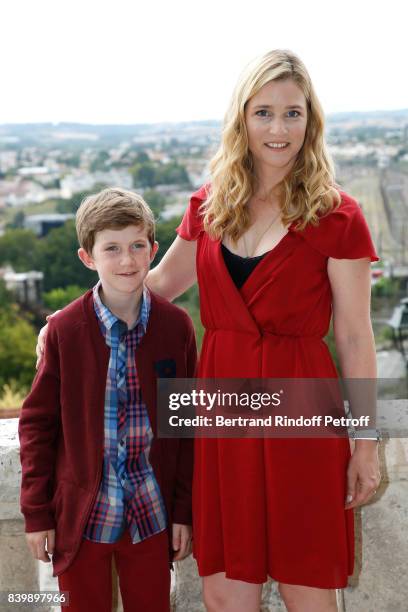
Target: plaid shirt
[{"x": 129, "y": 495}]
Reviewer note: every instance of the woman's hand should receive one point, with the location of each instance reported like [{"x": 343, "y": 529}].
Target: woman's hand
[
  {"x": 363, "y": 473},
  {"x": 182, "y": 539},
  {"x": 42, "y": 336}
]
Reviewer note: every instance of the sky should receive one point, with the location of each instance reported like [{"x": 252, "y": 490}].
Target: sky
[{"x": 147, "y": 61}]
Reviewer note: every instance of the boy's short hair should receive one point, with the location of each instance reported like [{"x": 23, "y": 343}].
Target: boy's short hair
[{"x": 112, "y": 208}]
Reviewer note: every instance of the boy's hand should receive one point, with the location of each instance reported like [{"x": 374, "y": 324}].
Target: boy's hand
[
  {"x": 39, "y": 349},
  {"x": 182, "y": 541},
  {"x": 41, "y": 543}
]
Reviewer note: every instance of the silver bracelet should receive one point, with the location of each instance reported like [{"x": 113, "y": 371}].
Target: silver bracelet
[{"x": 366, "y": 434}]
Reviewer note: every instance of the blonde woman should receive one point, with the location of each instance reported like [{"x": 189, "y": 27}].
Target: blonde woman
[{"x": 276, "y": 250}]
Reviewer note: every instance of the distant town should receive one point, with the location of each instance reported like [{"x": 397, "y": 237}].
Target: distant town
[
  {"x": 46, "y": 170},
  {"x": 43, "y": 166}
]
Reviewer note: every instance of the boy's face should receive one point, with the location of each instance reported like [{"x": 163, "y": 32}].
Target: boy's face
[{"x": 122, "y": 259}]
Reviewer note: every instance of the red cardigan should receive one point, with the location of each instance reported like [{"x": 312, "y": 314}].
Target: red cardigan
[{"x": 61, "y": 425}]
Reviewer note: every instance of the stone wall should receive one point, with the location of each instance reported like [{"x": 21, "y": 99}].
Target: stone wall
[{"x": 378, "y": 585}]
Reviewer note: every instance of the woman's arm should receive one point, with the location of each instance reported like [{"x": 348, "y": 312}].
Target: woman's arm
[
  {"x": 350, "y": 281},
  {"x": 351, "y": 290},
  {"x": 177, "y": 270}
]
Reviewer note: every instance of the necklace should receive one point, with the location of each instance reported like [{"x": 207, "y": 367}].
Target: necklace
[{"x": 268, "y": 227}]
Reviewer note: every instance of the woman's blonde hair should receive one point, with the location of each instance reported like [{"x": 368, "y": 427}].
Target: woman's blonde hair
[{"x": 309, "y": 189}]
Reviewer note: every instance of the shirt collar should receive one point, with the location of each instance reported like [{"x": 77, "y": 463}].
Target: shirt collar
[{"x": 108, "y": 319}]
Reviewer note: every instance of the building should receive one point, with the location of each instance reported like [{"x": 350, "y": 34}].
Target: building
[
  {"x": 42, "y": 224},
  {"x": 26, "y": 286},
  {"x": 79, "y": 181}
]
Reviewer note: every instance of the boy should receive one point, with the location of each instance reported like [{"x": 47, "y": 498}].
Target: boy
[{"x": 96, "y": 482}]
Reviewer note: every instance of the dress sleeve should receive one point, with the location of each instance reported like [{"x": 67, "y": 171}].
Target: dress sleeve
[
  {"x": 191, "y": 225},
  {"x": 343, "y": 233}
]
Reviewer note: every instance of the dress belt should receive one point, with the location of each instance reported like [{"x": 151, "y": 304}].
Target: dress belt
[{"x": 265, "y": 332}]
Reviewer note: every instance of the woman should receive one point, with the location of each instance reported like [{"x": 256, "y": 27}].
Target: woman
[{"x": 276, "y": 249}]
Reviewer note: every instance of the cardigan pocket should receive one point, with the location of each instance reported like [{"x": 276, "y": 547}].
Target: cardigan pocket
[{"x": 165, "y": 368}]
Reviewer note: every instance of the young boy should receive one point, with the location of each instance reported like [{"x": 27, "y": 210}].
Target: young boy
[{"x": 96, "y": 482}]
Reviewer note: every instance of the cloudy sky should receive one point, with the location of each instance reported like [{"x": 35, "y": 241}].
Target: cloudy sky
[{"x": 122, "y": 61}]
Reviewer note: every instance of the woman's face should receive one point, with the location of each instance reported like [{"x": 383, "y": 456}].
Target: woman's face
[{"x": 276, "y": 120}]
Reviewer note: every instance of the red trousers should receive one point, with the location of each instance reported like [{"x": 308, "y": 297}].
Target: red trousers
[{"x": 143, "y": 570}]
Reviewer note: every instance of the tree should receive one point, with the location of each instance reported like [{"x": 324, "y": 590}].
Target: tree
[
  {"x": 17, "y": 348},
  {"x": 142, "y": 157},
  {"x": 173, "y": 174},
  {"x": 17, "y": 221},
  {"x": 17, "y": 343},
  {"x": 149, "y": 174},
  {"x": 155, "y": 200},
  {"x": 72, "y": 160},
  {"x": 190, "y": 301},
  {"x": 20, "y": 249},
  {"x": 59, "y": 262},
  {"x": 99, "y": 163},
  {"x": 72, "y": 204},
  {"x": 6, "y": 298},
  {"x": 59, "y": 297},
  {"x": 144, "y": 174},
  {"x": 385, "y": 287},
  {"x": 165, "y": 235}
]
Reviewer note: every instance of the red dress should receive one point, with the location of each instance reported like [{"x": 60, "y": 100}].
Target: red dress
[{"x": 273, "y": 506}]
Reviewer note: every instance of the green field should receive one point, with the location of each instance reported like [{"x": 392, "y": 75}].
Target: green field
[{"x": 8, "y": 214}]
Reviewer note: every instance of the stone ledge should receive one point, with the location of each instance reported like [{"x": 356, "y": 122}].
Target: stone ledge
[{"x": 378, "y": 584}]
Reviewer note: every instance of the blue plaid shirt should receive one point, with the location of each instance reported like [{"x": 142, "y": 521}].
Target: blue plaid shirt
[{"x": 129, "y": 495}]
